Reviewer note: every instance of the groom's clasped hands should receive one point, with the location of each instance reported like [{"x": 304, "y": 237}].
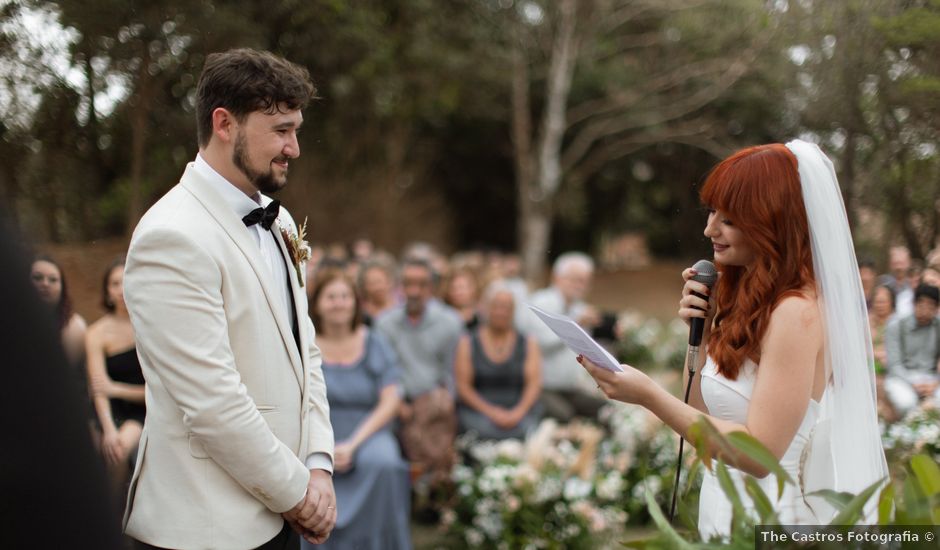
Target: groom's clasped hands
[{"x": 315, "y": 516}]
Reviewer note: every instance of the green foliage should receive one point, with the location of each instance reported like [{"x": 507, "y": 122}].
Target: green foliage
[
  {"x": 918, "y": 502},
  {"x": 416, "y": 102},
  {"x": 868, "y": 70}
]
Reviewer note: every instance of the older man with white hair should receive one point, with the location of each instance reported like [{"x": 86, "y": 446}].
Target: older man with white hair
[{"x": 566, "y": 392}]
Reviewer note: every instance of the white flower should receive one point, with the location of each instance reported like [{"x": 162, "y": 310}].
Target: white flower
[
  {"x": 653, "y": 484},
  {"x": 611, "y": 486},
  {"x": 474, "y": 537},
  {"x": 549, "y": 489},
  {"x": 490, "y": 524},
  {"x": 483, "y": 507},
  {"x": 484, "y": 452},
  {"x": 577, "y": 488},
  {"x": 630, "y": 320},
  {"x": 461, "y": 473},
  {"x": 526, "y": 475},
  {"x": 646, "y": 334},
  {"x": 930, "y": 433},
  {"x": 615, "y": 516},
  {"x": 495, "y": 479},
  {"x": 511, "y": 449}
]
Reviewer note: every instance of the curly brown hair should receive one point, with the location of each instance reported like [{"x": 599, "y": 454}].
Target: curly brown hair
[{"x": 243, "y": 81}]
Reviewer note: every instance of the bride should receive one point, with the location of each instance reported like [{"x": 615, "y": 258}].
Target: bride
[{"x": 788, "y": 354}]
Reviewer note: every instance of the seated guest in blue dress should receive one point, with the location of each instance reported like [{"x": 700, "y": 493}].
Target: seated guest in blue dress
[
  {"x": 362, "y": 382},
  {"x": 498, "y": 372},
  {"x": 115, "y": 378}
]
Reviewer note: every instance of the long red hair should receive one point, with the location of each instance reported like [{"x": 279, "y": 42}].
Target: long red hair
[{"x": 758, "y": 189}]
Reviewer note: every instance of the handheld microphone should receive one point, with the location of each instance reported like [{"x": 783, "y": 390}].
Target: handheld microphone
[{"x": 707, "y": 275}]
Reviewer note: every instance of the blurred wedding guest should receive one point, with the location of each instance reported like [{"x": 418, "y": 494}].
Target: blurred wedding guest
[
  {"x": 563, "y": 388},
  {"x": 933, "y": 256},
  {"x": 377, "y": 286},
  {"x": 915, "y": 273},
  {"x": 362, "y": 249},
  {"x": 899, "y": 264},
  {"x": 869, "y": 275},
  {"x": 337, "y": 251},
  {"x": 424, "y": 334},
  {"x": 363, "y": 388},
  {"x": 353, "y": 268},
  {"x": 511, "y": 267},
  {"x": 316, "y": 257},
  {"x": 48, "y": 462},
  {"x": 913, "y": 351},
  {"x": 115, "y": 377},
  {"x": 880, "y": 314},
  {"x": 49, "y": 281},
  {"x": 420, "y": 250},
  {"x": 461, "y": 293},
  {"x": 931, "y": 275},
  {"x": 498, "y": 372}
]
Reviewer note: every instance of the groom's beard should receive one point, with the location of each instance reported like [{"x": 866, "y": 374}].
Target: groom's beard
[{"x": 262, "y": 181}]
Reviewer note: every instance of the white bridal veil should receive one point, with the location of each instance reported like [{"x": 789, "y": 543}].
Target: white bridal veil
[{"x": 847, "y": 453}]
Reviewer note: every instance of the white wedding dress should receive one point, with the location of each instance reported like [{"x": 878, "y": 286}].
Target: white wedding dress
[{"x": 729, "y": 400}]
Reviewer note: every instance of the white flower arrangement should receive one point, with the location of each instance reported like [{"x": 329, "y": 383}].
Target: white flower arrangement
[
  {"x": 917, "y": 432},
  {"x": 568, "y": 485}
]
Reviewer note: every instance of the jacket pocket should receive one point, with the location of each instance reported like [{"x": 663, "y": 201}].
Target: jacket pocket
[{"x": 196, "y": 447}]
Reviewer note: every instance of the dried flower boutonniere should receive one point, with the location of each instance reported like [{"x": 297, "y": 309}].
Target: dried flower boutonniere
[{"x": 297, "y": 248}]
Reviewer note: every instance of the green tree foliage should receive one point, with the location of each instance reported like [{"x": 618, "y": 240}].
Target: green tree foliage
[
  {"x": 460, "y": 122},
  {"x": 867, "y": 68}
]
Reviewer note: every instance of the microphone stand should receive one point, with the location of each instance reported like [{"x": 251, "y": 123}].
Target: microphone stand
[{"x": 692, "y": 359}]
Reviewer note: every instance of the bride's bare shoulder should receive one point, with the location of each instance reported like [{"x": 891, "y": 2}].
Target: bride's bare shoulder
[{"x": 801, "y": 310}]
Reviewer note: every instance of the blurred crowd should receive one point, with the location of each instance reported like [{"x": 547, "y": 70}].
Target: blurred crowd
[
  {"x": 415, "y": 351},
  {"x": 420, "y": 348},
  {"x": 905, "y": 331}
]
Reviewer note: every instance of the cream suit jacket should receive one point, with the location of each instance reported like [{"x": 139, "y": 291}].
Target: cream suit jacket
[{"x": 232, "y": 406}]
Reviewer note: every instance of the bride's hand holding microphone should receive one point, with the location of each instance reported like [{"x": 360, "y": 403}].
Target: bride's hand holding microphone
[{"x": 695, "y": 300}]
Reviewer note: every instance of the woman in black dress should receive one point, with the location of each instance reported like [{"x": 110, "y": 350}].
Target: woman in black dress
[
  {"x": 498, "y": 373},
  {"x": 114, "y": 376}
]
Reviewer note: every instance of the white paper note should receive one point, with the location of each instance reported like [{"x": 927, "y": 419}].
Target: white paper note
[{"x": 577, "y": 339}]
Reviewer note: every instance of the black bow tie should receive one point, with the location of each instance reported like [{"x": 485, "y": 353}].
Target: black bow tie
[{"x": 265, "y": 216}]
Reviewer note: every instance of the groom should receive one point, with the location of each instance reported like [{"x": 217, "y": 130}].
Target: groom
[{"x": 237, "y": 447}]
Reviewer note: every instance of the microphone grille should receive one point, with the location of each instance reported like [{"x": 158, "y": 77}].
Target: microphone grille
[{"x": 707, "y": 274}]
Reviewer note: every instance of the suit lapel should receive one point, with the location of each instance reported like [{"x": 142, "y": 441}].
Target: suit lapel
[
  {"x": 236, "y": 230},
  {"x": 296, "y": 291}
]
